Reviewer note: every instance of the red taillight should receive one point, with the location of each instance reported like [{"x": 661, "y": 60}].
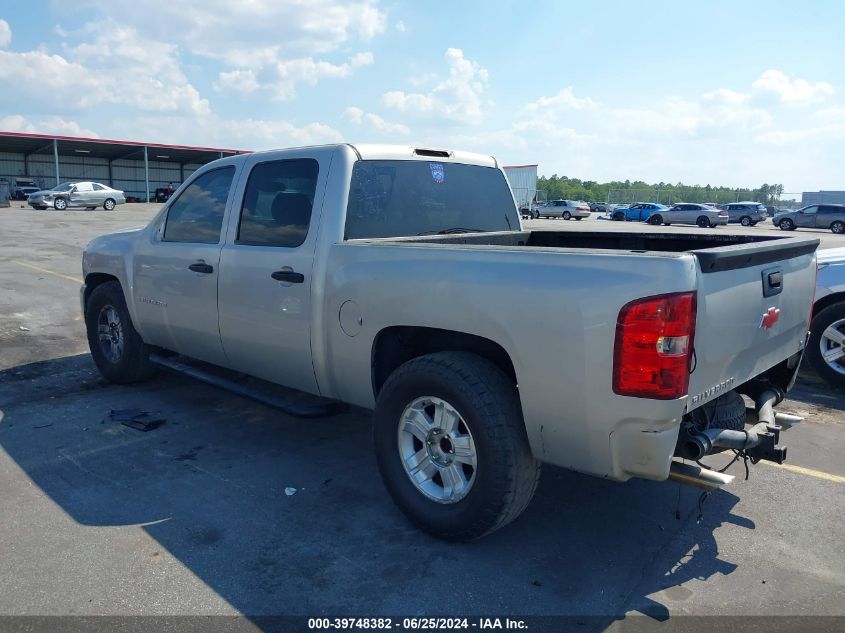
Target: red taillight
[{"x": 654, "y": 339}]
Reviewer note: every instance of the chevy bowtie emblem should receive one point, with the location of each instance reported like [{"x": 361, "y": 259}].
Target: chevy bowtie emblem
[{"x": 769, "y": 318}]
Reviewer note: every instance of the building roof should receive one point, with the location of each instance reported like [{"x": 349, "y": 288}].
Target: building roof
[{"x": 109, "y": 148}]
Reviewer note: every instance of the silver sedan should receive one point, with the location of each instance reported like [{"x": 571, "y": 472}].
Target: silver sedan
[{"x": 85, "y": 194}]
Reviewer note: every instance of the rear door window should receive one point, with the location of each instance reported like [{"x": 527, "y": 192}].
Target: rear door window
[
  {"x": 277, "y": 204},
  {"x": 196, "y": 216}
]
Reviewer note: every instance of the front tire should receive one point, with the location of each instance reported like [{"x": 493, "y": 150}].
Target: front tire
[
  {"x": 117, "y": 349},
  {"x": 825, "y": 349},
  {"x": 567, "y": 215},
  {"x": 619, "y": 217},
  {"x": 109, "y": 204},
  {"x": 746, "y": 221},
  {"x": 655, "y": 220},
  {"x": 451, "y": 445},
  {"x": 786, "y": 225},
  {"x": 60, "y": 204},
  {"x": 703, "y": 222}
]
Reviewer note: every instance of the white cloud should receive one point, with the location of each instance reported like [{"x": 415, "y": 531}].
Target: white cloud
[
  {"x": 400, "y": 26},
  {"x": 564, "y": 99},
  {"x": 375, "y": 122},
  {"x": 726, "y": 96},
  {"x": 5, "y": 34},
  {"x": 791, "y": 90},
  {"x": 281, "y": 79},
  {"x": 231, "y": 31},
  {"x": 269, "y": 45},
  {"x": 215, "y": 131},
  {"x": 47, "y": 125},
  {"x": 457, "y": 99},
  {"x": 118, "y": 66},
  {"x": 237, "y": 81},
  {"x": 353, "y": 114}
]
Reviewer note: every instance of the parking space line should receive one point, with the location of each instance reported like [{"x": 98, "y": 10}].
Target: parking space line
[
  {"x": 49, "y": 272},
  {"x": 837, "y": 479}
]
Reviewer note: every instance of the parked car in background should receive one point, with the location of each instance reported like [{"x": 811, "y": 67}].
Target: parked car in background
[
  {"x": 826, "y": 347},
  {"x": 702, "y": 215},
  {"x": 816, "y": 216},
  {"x": 599, "y": 207},
  {"x": 566, "y": 209},
  {"x": 86, "y": 194},
  {"x": 637, "y": 212},
  {"x": 22, "y": 192},
  {"x": 746, "y": 213}
]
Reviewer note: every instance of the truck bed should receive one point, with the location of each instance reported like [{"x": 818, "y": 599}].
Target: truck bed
[{"x": 714, "y": 252}]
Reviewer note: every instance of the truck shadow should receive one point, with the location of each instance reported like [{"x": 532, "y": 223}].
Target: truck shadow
[{"x": 209, "y": 489}]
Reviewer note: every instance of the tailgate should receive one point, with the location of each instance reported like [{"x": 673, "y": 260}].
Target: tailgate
[{"x": 754, "y": 303}]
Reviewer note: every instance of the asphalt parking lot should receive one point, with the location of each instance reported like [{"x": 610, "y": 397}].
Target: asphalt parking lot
[{"x": 193, "y": 518}]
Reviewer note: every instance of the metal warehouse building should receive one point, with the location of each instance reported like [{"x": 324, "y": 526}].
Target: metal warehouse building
[
  {"x": 136, "y": 168},
  {"x": 523, "y": 181},
  {"x": 822, "y": 197}
]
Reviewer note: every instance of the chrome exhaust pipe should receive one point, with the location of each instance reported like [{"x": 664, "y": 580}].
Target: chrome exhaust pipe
[{"x": 697, "y": 476}]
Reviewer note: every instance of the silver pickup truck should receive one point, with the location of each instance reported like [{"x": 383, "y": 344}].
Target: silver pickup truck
[{"x": 400, "y": 279}]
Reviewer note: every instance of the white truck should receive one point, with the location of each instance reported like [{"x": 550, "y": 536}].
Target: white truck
[{"x": 399, "y": 279}]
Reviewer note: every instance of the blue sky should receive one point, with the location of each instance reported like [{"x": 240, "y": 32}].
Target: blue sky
[{"x": 729, "y": 93}]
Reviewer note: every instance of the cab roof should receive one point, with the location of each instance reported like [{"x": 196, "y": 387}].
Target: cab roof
[{"x": 434, "y": 154}]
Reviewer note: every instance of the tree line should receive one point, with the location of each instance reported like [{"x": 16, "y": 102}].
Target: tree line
[{"x": 560, "y": 187}]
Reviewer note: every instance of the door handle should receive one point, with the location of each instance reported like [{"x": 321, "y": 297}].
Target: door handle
[
  {"x": 201, "y": 268},
  {"x": 288, "y": 276}
]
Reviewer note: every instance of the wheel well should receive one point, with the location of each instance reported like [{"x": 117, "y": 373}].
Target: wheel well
[
  {"x": 829, "y": 300},
  {"x": 96, "y": 279},
  {"x": 396, "y": 345}
]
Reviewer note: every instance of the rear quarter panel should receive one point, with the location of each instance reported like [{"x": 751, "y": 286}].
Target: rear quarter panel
[{"x": 553, "y": 312}]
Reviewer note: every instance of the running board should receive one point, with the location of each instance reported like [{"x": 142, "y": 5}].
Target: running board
[
  {"x": 703, "y": 478},
  {"x": 289, "y": 401}
]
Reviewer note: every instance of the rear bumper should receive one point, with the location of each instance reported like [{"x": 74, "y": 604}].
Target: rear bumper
[{"x": 645, "y": 449}]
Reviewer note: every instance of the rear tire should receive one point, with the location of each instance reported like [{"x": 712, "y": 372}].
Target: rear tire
[
  {"x": 117, "y": 349},
  {"x": 746, "y": 221},
  {"x": 655, "y": 220},
  {"x": 833, "y": 370},
  {"x": 838, "y": 227},
  {"x": 703, "y": 221},
  {"x": 109, "y": 204},
  {"x": 567, "y": 215},
  {"x": 488, "y": 410}
]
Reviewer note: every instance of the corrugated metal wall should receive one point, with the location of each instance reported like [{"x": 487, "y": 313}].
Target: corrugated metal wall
[
  {"x": 822, "y": 197},
  {"x": 523, "y": 181},
  {"x": 127, "y": 174}
]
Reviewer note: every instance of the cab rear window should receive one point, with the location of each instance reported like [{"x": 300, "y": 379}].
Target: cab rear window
[{"x": 401, "y": 198}]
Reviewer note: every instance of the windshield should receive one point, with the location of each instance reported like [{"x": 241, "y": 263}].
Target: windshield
[
  {"x": 400, "y": 198},
  {"x": 65, "y": 186}
]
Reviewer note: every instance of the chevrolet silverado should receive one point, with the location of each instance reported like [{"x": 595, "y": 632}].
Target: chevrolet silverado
[{"x": 399, "y": 279}]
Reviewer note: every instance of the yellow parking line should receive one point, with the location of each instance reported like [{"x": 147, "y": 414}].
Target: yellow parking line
[
  {"x": 808, "y": 471},
  {"x": 49, "y": 272}
]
